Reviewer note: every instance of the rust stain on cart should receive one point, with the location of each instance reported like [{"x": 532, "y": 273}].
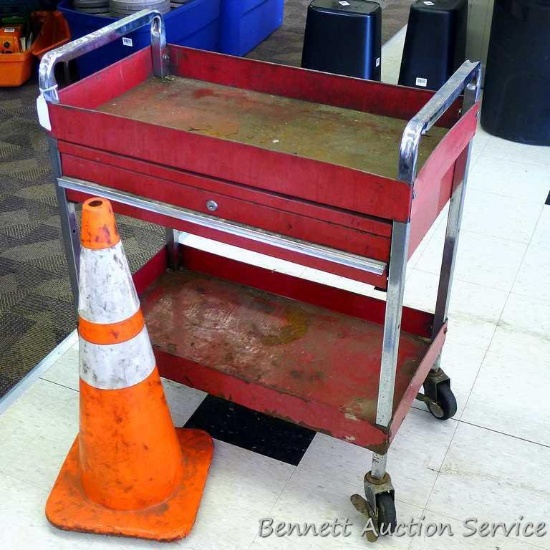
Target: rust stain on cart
[{"x": 296, "y": 327}]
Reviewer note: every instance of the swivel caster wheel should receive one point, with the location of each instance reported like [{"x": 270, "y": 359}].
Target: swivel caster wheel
[
  {"x": 387, "y": 515},
  {"x": 380, "y": 521},
  {"x": 378, "y": 507},
  {"x": 445, "y": 406},
  {"x": 438, "y": 396}
]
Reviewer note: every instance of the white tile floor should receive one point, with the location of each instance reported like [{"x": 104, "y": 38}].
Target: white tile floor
[{"x": 490, "y": 463}]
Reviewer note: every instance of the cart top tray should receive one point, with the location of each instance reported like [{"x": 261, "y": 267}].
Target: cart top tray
[
  {"x": 309, "y": 156},
  {"x": 346, "y": 137},
  {"x": 303, "y": 135}
]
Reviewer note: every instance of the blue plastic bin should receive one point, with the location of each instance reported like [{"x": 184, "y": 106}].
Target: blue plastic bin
[
  {"x": 245, "y": 23},
  {"x": 195, "y": 24}
]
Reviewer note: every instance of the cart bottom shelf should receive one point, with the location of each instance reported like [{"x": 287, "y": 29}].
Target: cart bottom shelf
[{"x": 297, "y": 361}]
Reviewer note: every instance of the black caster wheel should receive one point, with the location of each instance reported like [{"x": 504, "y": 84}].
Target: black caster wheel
[
  {"x": 445, "y": 407},
  {"x": 387, "y": 515}
]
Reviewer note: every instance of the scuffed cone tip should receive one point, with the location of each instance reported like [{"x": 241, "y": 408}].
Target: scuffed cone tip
[{"x": 99, "y": 228}]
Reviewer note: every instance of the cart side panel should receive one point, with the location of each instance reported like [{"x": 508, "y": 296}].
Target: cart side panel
[
  {"x": 379, "y": 281},
  {"x": 439, "y": 175},
  {"x": 449, "y": 148},
  {"x": 295, "y": 206},
  {"x": 417, "y": 381},
  {"x": 151, "y": 271},
  {"x": 308, "y": 413},
  {"x": 111, "y": 82},
  {"x": 427, "y": 205},
  {"x": 460, "y": 168},
  {"x": 248, "y": 212},
  {"x": 298, "y": 83},
  {"x": 313, "y": 180}
]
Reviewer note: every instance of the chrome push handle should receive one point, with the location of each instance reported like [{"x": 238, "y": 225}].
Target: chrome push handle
[
  {"x": 467, "y": 78},
  {"x": 96, "y": 39}
]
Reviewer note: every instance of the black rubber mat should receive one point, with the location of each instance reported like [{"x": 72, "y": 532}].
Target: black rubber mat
[{"x": 251, "y": 430}]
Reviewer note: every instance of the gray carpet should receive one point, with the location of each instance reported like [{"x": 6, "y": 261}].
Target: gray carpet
[{"x": 35, "y": 300}]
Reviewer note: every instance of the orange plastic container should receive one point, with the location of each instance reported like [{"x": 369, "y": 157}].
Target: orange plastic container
[
  {"x": 16, "y": 68},
  {"x": 54, "y": 33}
]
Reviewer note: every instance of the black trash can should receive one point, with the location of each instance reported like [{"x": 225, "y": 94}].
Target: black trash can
[
  {"x": 344, "y": 38},
  {"x": 435, "y": 43},
  {"x": 516, "y": 94}
]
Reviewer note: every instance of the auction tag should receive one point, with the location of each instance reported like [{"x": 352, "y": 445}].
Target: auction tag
[
  {"x": 43, "y": 115},
  {"x": 421, "y": 82},
  {"x": 343, "y": 3},
  {"x": 127, "y": 41}
]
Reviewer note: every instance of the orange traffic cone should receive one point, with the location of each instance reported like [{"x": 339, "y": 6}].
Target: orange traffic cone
[{"x": 129, "y": 471}]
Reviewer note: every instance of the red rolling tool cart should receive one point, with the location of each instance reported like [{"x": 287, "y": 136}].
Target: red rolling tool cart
[{"x": 335, "y": 173}]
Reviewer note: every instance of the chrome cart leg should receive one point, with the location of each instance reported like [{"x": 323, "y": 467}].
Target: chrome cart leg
[
  {"x": 379, "y": 505},
  {"x": 392, "y": 322},
  {"x": 172, "y": 249},
  {"x": 69, "y": 224},
  {"x": 454, "y": 218},
  {"x": 438, "y": 395}
]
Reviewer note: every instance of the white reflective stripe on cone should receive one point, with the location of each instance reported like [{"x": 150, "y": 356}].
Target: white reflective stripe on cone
[
  {"x": 106, "y": 289},
  {"x": 117, "y": 366}
]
